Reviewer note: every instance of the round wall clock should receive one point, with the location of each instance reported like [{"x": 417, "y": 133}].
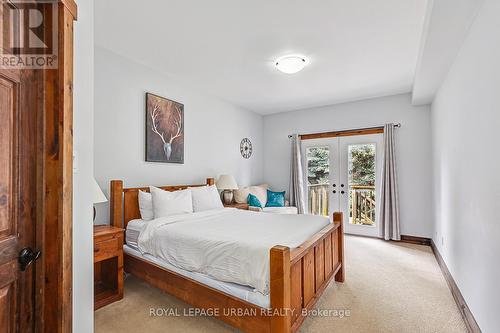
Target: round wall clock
[{"x": 246, "y": 148}]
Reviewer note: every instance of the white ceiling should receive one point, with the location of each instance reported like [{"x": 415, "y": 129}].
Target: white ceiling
[
  {"x": 357, "y": 48},
  {"x": 446, "y": 26}
]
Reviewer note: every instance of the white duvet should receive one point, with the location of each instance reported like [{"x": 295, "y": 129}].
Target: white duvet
[{"x": 227, "y": 244}]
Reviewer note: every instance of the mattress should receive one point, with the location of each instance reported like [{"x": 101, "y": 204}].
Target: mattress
[
  {"x": 134, "y": 228},
  {"x": 242, "y": 292}
]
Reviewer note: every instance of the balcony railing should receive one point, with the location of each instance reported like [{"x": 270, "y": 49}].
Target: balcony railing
[
  {"x": 318, "y": 199},
  {"x": 361, "y": 202}
]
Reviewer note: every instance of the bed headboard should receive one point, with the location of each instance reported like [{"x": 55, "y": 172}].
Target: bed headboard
[{"x": 124, "y": 204}]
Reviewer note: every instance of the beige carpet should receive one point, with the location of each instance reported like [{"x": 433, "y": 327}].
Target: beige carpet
[{"x": 390, "y": 287}]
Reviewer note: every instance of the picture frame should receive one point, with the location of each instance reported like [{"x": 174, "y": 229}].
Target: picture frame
[{"x": 164, "y": 141}]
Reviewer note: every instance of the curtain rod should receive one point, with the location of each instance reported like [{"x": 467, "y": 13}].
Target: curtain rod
[{"x": 397, "y": 125}]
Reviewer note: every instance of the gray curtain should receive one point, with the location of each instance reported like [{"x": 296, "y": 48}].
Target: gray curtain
[
  {"x": 296, "y": 189},
  {"x": 389, "y": 200}
]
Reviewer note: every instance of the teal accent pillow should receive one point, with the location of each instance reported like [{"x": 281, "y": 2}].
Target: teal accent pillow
[
  {"x": 252, "y": 200},
  {"x": 275, "y": 199}
]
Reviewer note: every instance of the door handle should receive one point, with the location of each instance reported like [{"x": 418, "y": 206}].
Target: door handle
[
  {"x": 342, "y": 192},
  {"x": 334, "y": 191},
  {"x": 26, "y": 257}
]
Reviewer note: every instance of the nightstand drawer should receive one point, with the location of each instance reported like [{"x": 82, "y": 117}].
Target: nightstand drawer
[{"x": 107, "y": 248}]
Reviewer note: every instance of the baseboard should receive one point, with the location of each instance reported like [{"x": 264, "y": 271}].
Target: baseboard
[
  {"x": 467, "y": 315},
  {"x": 416, "y": 240}
]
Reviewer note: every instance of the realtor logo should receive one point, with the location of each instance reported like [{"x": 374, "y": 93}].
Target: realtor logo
[{"x": 29, "y": 34}]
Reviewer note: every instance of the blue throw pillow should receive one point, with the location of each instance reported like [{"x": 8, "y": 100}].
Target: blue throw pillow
[
  {"x": 252, "y": 200},
  {"x": 275, "y": 199}
]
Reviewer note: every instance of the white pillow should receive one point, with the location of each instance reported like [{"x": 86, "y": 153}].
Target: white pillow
[
  {"x": 171, "y": 203},
  {"x": 241, "y": 194},
  {"x": 260, "y": 191},
  {"x": 146, "y": 205},
  {"x": 206, "y": 198}
]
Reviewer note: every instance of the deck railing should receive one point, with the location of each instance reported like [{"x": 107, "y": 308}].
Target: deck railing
[
  {"x": 318, "y": 199},
  {"x": 362, "y": 209},
  {"x": 362, "y": 202}
]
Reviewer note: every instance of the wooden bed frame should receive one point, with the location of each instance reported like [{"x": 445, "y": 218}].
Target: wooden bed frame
[{"x": 298, "y": 277}]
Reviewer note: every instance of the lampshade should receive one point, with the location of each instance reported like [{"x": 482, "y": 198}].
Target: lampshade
[
  {"x": 226, "y": 182},
  {"x": 97, "y": 195}
]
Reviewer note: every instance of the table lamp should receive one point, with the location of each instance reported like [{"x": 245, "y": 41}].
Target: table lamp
[
  {"x": 97, "y": 195},
  {"x": 227, "y": 184}
]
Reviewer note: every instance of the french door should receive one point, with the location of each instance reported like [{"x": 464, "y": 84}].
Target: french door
[{"x": 343, "y": 174}]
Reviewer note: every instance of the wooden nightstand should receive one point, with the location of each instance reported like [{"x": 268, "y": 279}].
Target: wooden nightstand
[
  {"x": 243, "y": 206},
  {"x": 108, "y": 265}
]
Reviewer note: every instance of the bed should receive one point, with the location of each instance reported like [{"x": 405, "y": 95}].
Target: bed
[{"x": 275, "y": 282}]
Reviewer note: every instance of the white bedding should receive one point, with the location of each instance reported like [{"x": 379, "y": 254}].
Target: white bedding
[
  {"x": 242, "y": 292},
  {"x": 134, "y": 228},
  {"x": 228, "y": 244}
]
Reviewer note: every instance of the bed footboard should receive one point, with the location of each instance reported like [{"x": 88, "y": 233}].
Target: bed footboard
[{"x": 299, "y": 277}]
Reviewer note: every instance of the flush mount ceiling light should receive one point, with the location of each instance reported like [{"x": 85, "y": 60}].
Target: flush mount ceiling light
[{"x": 290, "y": 64}]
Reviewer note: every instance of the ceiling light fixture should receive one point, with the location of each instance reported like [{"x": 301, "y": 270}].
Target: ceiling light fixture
[{"x": 290, "y": 64}]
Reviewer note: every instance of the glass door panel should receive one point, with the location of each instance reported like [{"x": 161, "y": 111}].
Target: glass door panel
[
  {"x": 360, "y": 170},
  {"x": 320, "y": 158},
  {"x": 318, "y": 180},
  {"x": 361, "y": 184}
]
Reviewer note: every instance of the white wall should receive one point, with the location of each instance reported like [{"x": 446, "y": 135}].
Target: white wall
[
  {"x": 83, "y": 123},
  {"x": 465, "y": 123},
  {"x": 213, "y": 130},
  {"x": 413, "y": 148}
]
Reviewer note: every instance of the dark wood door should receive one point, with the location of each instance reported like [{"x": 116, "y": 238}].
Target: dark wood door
[
  {"x": 9, "y": 238},
  {"x": 36, "y": 170},
  {"x": 19, "y": 105},
  {"x": 17, "y": 199}
]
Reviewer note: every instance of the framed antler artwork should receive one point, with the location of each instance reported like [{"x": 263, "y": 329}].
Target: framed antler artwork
[{"x": 164, "y": 130}]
